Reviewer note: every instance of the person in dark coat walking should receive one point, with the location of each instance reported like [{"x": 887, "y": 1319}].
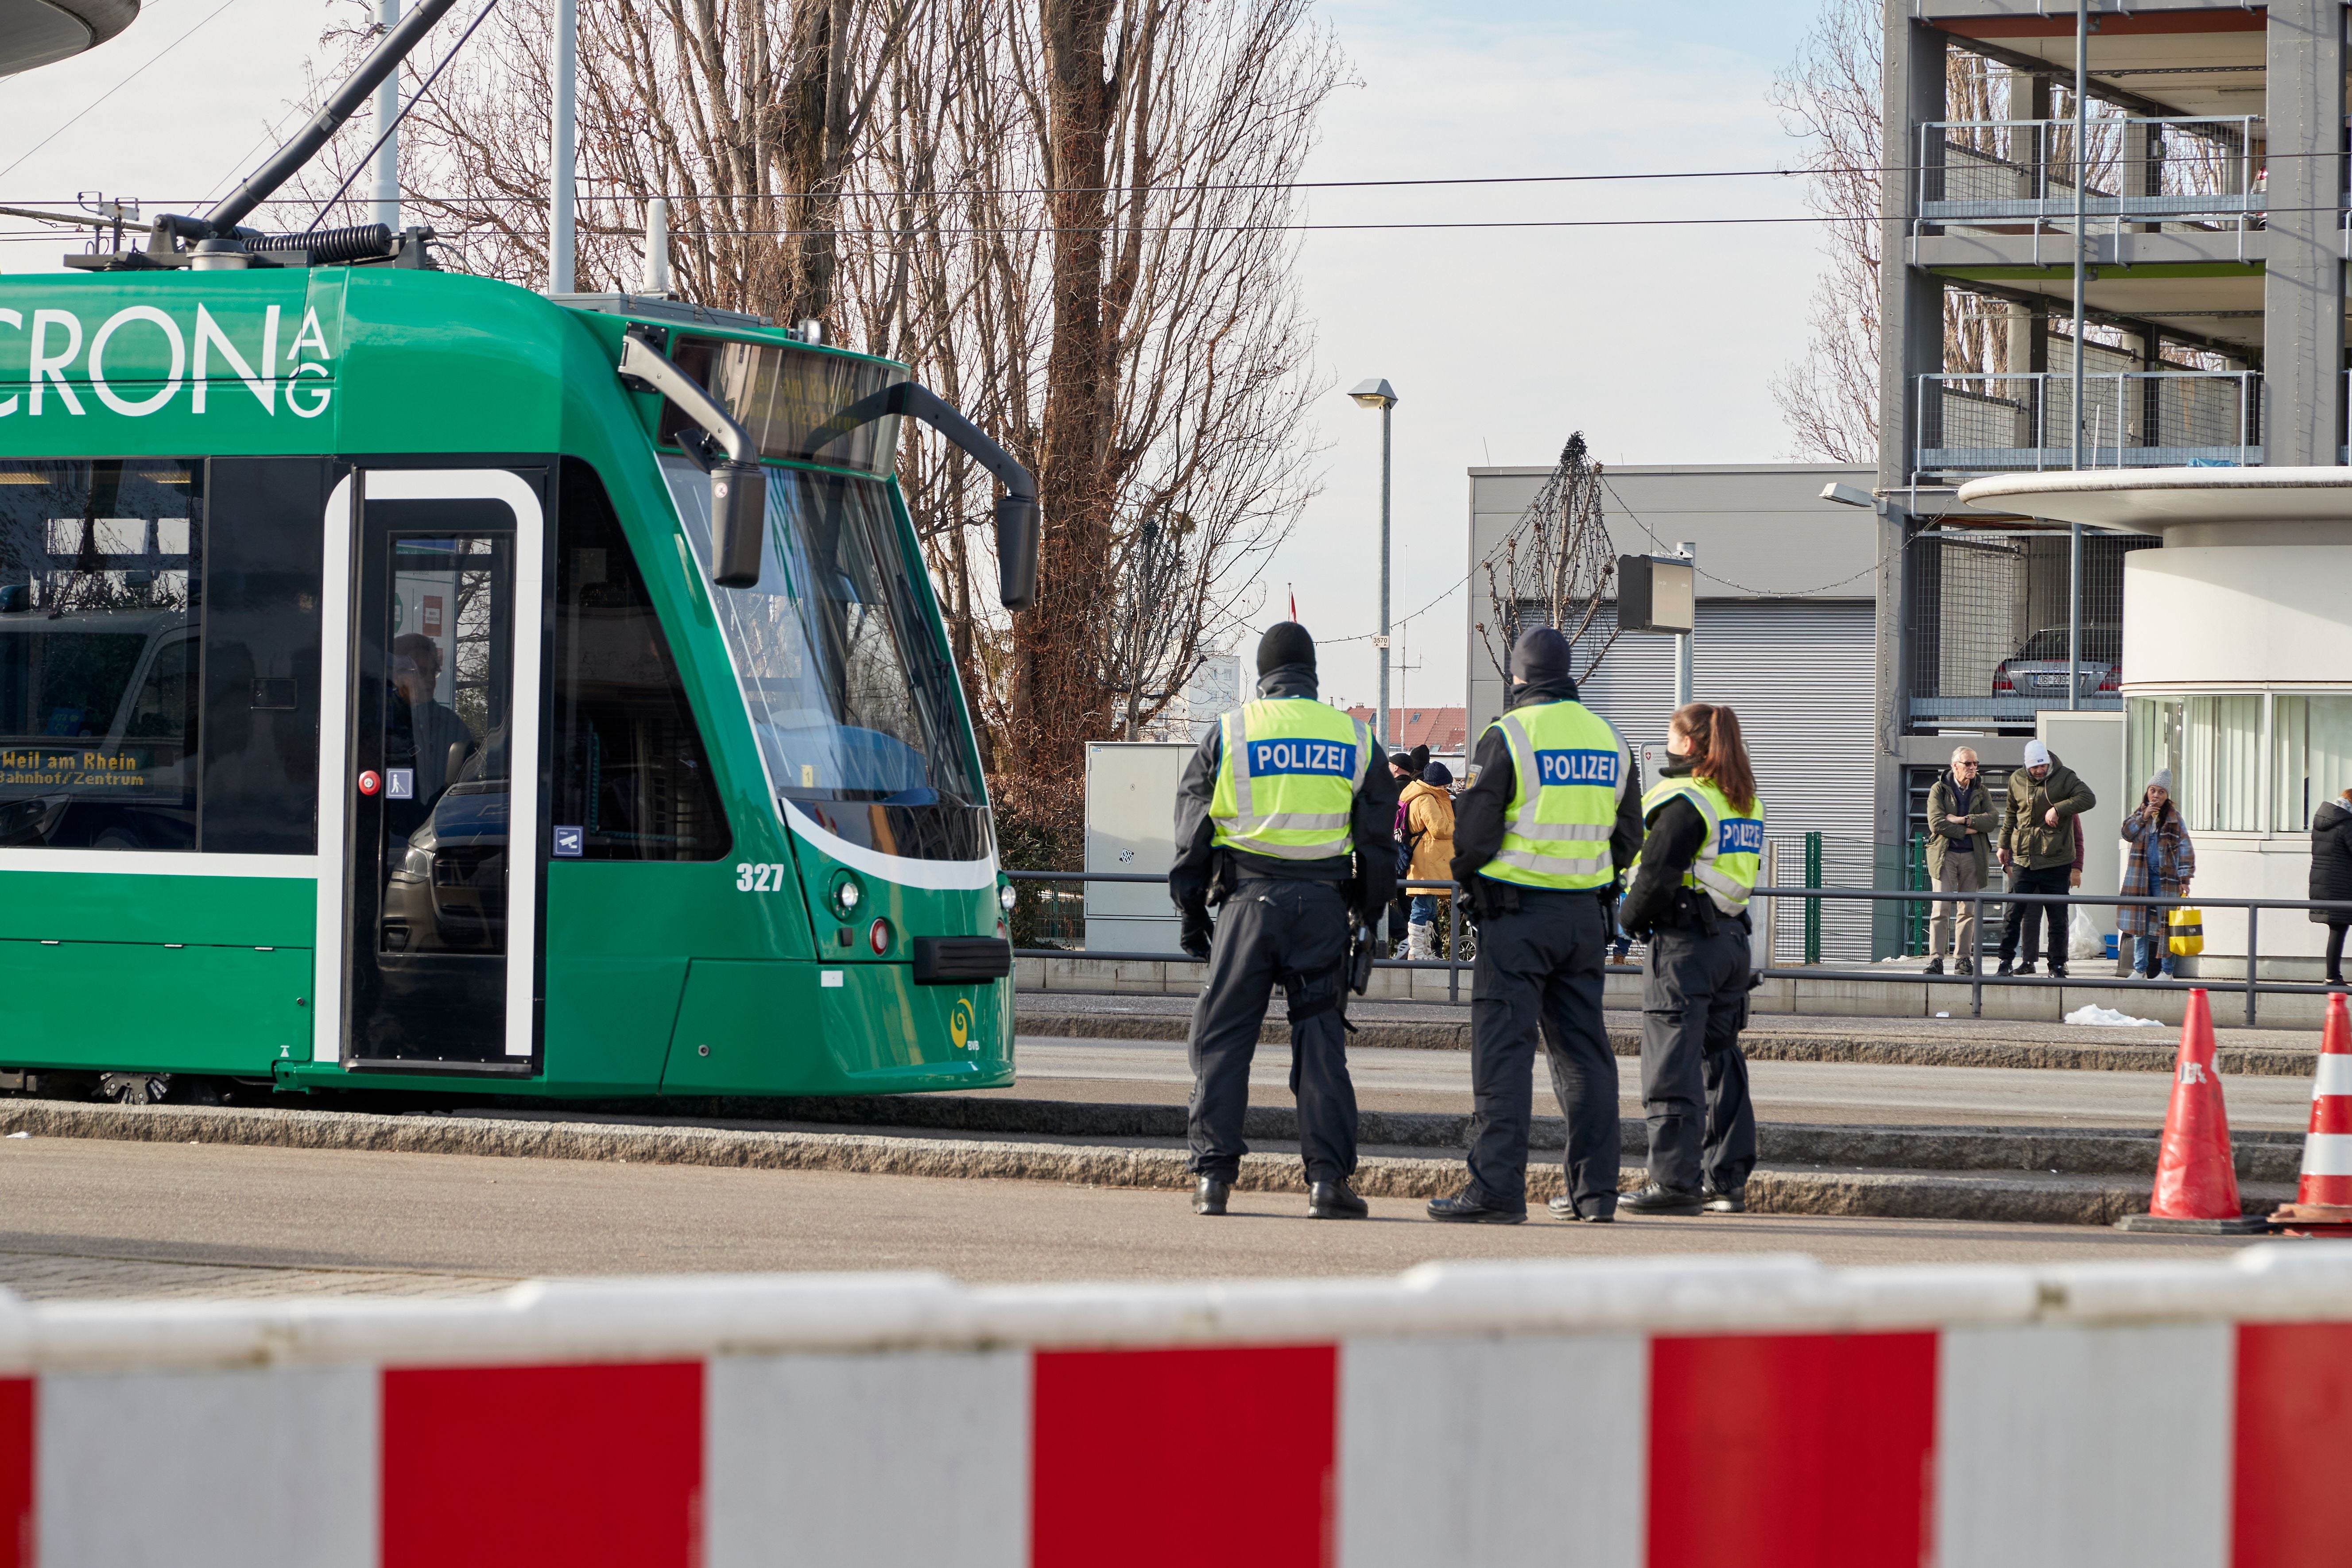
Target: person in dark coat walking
[{"x": 2331, "y": 875}]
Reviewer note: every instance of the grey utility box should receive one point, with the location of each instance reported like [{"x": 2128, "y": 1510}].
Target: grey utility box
[{"x": 1131, "y": 827}]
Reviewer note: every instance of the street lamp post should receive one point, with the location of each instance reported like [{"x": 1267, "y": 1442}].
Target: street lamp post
[{"x": 1378, "y": 393}]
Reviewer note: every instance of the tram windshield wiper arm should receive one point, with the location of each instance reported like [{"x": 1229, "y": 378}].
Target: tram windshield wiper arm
[{"x": 738, "y": 485}]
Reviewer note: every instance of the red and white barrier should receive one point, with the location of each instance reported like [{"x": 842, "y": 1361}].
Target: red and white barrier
[{"x": 1677, "y": 1413}]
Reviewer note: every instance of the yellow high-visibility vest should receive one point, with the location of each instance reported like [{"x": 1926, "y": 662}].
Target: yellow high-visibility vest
[
  {"x": 1568, "y": 767},
  {"x": 1288, "y": 778},
  {"x": 1726, "y": 867}
]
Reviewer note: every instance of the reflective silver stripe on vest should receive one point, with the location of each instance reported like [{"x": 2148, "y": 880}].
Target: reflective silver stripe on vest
[{"x": 1247, "y": 824}]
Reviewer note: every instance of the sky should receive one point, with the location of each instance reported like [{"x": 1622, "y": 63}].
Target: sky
[{"x": 1657, "y": 342}]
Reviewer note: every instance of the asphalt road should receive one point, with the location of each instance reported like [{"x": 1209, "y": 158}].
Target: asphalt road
[
  {"x": 1388, "y": 1080},
  {"x": 91, "y": 1219}
]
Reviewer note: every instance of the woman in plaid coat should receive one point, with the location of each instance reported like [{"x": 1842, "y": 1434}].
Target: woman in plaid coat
[{"x": 2159, "y": 866}]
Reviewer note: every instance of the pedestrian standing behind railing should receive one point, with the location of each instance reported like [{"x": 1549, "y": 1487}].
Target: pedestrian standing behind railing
[
  {"x": 2331, "y": 875},
  {"x": 1961, "y": 821},
  {"x": 1429, "y": 820},
  {"x": 2159, "y": 865},
  {"x": 2038, "y": 850}
]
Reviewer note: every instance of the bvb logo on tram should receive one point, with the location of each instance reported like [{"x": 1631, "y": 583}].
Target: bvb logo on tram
[{"x": 960, "y": 1024}]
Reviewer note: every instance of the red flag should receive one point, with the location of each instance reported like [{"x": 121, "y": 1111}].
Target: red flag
[{"x": 1294, "y": 602}]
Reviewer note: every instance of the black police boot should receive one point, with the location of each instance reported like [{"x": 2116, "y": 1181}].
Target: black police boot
[
  {"x": 2007, "y": 967},
  {"x": 1209, "y": 1196},
  {"x": 1656, "y": 1199},
  {"x": 1935, "y": 967},
  {"x": 2025, "y": 968},
  {"x": 2057, "y": 971},
  {"x": 1564, "y": 1207},
  {"x": 1733, "y": 1202},
  {"x": 1335, "y": 1200},
  {"x": 1465, "y": 1207}
]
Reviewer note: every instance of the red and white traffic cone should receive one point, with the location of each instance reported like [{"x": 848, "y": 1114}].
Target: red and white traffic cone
[
  {"x": 2196, "y": 1176},
  {"x": 2323, "y": 1198}
]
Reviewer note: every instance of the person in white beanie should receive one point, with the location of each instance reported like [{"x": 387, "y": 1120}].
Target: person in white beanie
[{"x": 2037, "y": 851}]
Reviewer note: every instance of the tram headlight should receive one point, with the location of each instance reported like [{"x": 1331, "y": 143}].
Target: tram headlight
[
  {"x": 847, "y": 893},
  {"x": 1005, "y": 898}
]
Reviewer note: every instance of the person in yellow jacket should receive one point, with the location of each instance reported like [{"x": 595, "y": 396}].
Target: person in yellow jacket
[
  {"x": 1284, "y": 819},
  {"x": 1689, "y": 898},
  {"x": 1428, "y": 808},
  {"x": 1539, "y": 842}
]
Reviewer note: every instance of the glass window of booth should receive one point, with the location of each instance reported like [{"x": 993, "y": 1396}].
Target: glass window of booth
[{"x": 2311, "y": 756}]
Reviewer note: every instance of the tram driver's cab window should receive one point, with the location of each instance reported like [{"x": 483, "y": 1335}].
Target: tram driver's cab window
[{"x": 100, "y": 572}]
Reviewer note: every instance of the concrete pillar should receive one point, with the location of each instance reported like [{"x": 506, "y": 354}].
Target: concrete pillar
[
  {"x": 2029, "y": 98},
  {"x": 1911, "y": 328},
  {"x": 2303, "y": 288}
]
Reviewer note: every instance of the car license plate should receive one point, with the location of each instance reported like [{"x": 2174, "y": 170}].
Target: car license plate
[{"x": 2049, "y": 681}]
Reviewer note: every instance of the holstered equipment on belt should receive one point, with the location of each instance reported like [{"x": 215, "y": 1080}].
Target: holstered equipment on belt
[
  {"x": 1362, "y": 945},
  {"x": 1223, "y": 877}
]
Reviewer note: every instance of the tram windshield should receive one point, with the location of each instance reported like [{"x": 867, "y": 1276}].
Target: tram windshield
[{"x": 850, "y": 691}]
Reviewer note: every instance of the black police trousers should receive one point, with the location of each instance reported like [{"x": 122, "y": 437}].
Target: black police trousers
[
  {"x": 1269, "y": 933},
  {"x": 1539, "y": 974},
  {"x": 1694, "y": 1077}
]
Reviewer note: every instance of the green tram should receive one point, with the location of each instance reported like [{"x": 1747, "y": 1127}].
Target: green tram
[{"x": 409, "y": 682}]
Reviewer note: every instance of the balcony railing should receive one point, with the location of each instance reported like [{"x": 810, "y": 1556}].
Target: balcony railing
[
  {"x": 1971, "y": 424},
  {"x": 2021, "y": 174}
]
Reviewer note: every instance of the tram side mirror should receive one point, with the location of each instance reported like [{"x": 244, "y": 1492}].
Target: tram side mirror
[
  {"x": 738, "y": 517},
  {"x": 1016, "y": 552}
]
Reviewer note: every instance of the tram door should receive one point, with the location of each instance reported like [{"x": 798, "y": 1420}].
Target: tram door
[{"x": 443, "y": 728}]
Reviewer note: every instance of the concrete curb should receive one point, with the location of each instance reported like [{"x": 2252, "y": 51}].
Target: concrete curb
[
  {"x": 1759, "y": 1044},
  {"x": 2109, "y": 1151},
  {"x": 1914, "y": 1194}
]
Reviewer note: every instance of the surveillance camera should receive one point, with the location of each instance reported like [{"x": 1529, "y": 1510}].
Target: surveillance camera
[{"x": 1846, "y": 495}]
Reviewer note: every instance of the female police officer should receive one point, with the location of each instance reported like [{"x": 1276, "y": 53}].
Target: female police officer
[{"x": 1689, "y": 898}]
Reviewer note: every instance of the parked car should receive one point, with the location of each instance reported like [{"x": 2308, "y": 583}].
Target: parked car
[{"x": 2039, "y": 668}]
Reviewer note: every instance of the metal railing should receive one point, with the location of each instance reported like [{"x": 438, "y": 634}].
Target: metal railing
[
  {"x": 2251, "y": 985},
  {"x": 1968, "y": 423},
  {"x": 2204, "y": 171}
]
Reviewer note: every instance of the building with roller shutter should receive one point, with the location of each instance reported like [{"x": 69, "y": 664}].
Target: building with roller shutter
[{"x": 1787, "y": 635}]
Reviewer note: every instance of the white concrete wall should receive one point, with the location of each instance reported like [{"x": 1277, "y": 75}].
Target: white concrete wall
[{"x": 2237, "y": 615}]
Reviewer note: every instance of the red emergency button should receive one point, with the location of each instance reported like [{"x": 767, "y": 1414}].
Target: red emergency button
[{"x": 371, "y": 782}]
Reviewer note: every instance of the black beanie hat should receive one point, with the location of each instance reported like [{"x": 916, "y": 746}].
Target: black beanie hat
[
  {"x": 1541, "y": 655},
  {"x": 1401, "y": 760},
  {"x": 1285, "y": 642}
]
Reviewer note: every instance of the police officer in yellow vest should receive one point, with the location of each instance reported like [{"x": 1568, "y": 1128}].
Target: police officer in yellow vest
[
  {"x": 1689, "y": 898},
  {"x": 1539, "y": 841},
  {"x": 1285, "y": 820}
]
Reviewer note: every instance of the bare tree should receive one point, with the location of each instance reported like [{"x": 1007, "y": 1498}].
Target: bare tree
[
  {"x": 1552, "y": 569},
  {"x": 1072, "y": 218},
  {"x": 1829, "y": 96}
]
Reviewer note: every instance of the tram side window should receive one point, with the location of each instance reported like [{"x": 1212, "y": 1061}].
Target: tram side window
[
  {"x": 100, "y": 589},
  {"x": 265, "y": 547},
  {"x": 630, "y": 768}
]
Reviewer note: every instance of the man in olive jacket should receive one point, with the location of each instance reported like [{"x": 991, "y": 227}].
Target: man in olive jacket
[
  {"x": 1960, "y": 822},
  {"x": 2037, "y": 850}
]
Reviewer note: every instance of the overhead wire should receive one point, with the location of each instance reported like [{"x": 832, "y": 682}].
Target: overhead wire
[{"x": 118, "y": 87}]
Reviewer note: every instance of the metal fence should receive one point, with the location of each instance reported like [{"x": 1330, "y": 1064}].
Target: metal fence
[
  {"x": 1774, "y": 910},
  {"x": 1987, "y": 637},
  {"x": 2201, "y": 173},
  {"x": 1972, "y": 423}
]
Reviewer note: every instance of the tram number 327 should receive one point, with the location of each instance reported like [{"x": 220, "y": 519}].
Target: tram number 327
[{"x": 759, "y": 878}]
